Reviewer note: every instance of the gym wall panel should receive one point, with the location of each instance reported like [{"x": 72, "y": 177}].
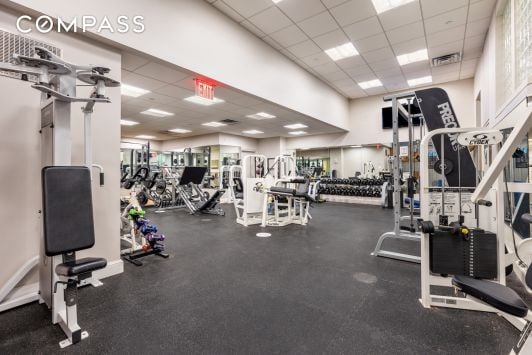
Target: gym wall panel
[
  {"x": 196, "y": 36},
  {"x": 21, "y": 158}
]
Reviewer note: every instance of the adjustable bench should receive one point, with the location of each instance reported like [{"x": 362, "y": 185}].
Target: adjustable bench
[{"x": 68, "y": 228}]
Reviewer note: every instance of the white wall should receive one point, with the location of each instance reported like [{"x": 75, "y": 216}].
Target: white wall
[
  {"x": 354, "y": 159},
  {"x": 270, "y": 147},
  {"x": 365, "y": 123},
  {"x": 21, "y": 159},
  {"x": 194, "y": 35}
]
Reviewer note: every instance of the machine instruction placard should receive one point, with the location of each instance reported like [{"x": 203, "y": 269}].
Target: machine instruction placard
[{"x": 452, "y": 207}]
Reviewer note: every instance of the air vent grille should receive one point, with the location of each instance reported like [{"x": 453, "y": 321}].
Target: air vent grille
[
  {"x": 229, "y": 121},
  {"x": 446, "y": 59},
  {"x": 11, "y": 43}
]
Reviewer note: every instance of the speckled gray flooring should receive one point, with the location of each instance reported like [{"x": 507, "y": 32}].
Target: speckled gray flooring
[{"x": 310, "y": 290}]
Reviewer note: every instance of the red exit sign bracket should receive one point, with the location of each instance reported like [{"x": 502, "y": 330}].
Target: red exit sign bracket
[{"x": 204, "y": 89}]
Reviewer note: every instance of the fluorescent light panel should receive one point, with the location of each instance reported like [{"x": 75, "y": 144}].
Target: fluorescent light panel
[
  {"x": 420, "y": 81},
  {"x": 144, "y": 136},
  {"x": 413, "y": 57},
  {"x": 370, "y": 84},
  {"x": 179, "y": 130},
  {"x": 128, "y": 123},
  {"x": 356, "y": 146},
  {"x": 203, "y": 101},
  {"x": 344, "y": 51},
  {"x": 296, "y": 126},
  {"x": 253, "y": 131},
  {"x": 133, "y": 91},
  {"x": 385, "y": 5},
  {"x": 156, "y": 113},
  {"x": 297, "y": 133},
  {"x": 261, "y": 116},
  {"x": 213, "y": 124},
  {"x": 276, "y": 1}
]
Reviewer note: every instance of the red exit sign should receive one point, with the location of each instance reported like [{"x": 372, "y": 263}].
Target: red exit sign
[{"x": 204, "y": 90}]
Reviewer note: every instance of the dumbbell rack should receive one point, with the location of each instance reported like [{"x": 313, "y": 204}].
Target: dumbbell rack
[{"x": 350, "y": 190}]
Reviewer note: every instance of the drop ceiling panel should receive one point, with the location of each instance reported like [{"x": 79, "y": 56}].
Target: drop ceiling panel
[
  {"x": 353, "y": 11},
  {"x": 363, "y": 29},
  {"x": 299, "y": 10},
  {"x": 270, "y": 20},
  {"x": 289, "y": 36},
  {"x": 432, "y": 8},
  {"x": 400, "y": 16},
  {"x": 318, "y": 24}
]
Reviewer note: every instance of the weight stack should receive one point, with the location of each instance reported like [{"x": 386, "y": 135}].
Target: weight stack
[{"x": 451, "y": 254}]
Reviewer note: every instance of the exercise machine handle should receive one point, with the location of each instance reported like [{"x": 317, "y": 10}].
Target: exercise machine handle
[
  {"x": 527, "y": 217},
  {"x": 102, "y": 179},
  {"x": 484, "y": 203}
]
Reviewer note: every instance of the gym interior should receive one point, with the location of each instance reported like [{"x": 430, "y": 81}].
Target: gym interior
[{"x": 266, "y": 176}]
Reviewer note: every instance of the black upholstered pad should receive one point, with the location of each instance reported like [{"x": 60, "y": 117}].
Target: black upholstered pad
[
  {"x": 282, "y": 190},
  {"x": 67, "y": 209},
  {"x": 80, "y": 266},
  {"x": 501, "y": 297},
  {"x": 305, "y": 196},
  {"x": 213, "y": 200}
]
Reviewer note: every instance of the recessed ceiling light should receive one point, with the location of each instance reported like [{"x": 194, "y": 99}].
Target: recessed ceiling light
[
  {"x": 413, "y": 57},
  {"x": 296, "y": 126},
  {"x": 133, "y": 91},
  {"x": 213, "y": 124},
  {"x": 297, "y": 133},
  {"x": 157, "y": 113},
  {"x": 143, "y": 136},
  {"x": 276, "y": 1},
  {"x": 203, "y": 101},
  {"x": 253, "y": 131},
  {"x": 370, "y": 84},
  {"x": 419, "y": 81},
  {"x": 179, "y": 130},
  {"x": 356, "y": 146},
  {"x": 128, "y": 123},
  {"x": 385, "y": 5},
  {"x": 344, "y": 51},
  {"x": 261, "y": 116}
]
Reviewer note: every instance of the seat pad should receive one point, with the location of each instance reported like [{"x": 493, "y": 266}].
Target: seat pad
[
  {"x": 80, "y": 266},
  {"x": 496, "y": 295}
]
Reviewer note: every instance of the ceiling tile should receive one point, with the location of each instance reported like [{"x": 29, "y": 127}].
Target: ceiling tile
[
  {"x": 431, "y": 8},
  {"x": 289, "y": 36},
  {"x": 332, "y": 39},
  {"x": 446, "y": 20},
  {"x": 299, "y": 10},
  {"x": 272, "y": 42},
  {"x": 480, "y": 10},
  {"x": 477, "y": 27},
  {"x": 363, "y": 29},
  {"x": 406, "y": 32},
  {"x": 327, "y": 68},
  {"x": 131, "y": 61},
  {"x": 472, "y": 53},
  {"x": 445, "y": 69},
  {"x": 389, "y": 73},
  {"x": 442, "y": 37},
  {"x": 174, "y": 91},
  {"x": 141, "y": 81},
  {"x": 248, "y": 8},
  {"x": 409, "y": 46},
  {"x": 360, "y": 70},
  {"x": 353, "y": 11},
  {"x": 317, "y": 59},
  {"x": 400, "y": 16},
  {"x": 474, "y": 42},
  {"x": 270, "y": 20},
  {"x": 351, "y": 62},
  {"x": 338, "y": 75},
  {"x": 379, "y": 54},
  {"x": 161, "y": 72},
  {"x": 318, "y": 24},
  {"x": 384, "y": 64},
  {"x": 371, "y": 43},
  {"x": 333, "y": 3},
  {"x": 222, "y": 6},
  {"x": 253, "y": 29},
  {"x": 416, "y": 68},
  {"x": 447, "y": 48},
  {"x": 304, "y": 49}
]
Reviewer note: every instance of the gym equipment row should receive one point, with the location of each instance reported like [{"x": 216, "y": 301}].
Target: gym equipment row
[
  {"x": 365, "y": 191},
  {"x": 353, "y": 181}
]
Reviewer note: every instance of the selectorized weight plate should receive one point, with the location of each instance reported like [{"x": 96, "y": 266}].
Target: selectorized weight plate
[{"x": 448, "y": 166}]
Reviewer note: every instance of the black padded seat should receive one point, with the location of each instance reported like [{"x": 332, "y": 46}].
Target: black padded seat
[
  {"x": 304, "y": 195},
  {"x": 80, "y": 266},
  {"x": 501, "y": 297}
]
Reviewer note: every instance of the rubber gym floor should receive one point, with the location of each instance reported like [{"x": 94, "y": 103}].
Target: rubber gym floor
[{"x": 305, "y": 290}]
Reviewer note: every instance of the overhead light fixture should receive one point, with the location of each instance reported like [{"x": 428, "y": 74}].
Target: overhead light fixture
[
  {"x": 261, "y": 116},
  {"x": 370, "y": 84},
  {"x": 133, "y": 91},
  {"x": 385, "y": 5},
  {"x": 356, "y": 146},
  {"x": 179, "y": 130},
  {"x": 128, "y": 123},
  {"x": 413, "y": 57},
  {"x": 143, "y": 136},
  {"x": 296, "y": 126},
  {"x": 157, "y": 113},
  {"x": 203, "y": 101},
  {"x": 419, "y": 81},
  {"x": 276, "y": 1},
  {"x": 344, "y": 51},
  {"x": 297, "y": 133},
  {"x": 253, "y": 131},
  {"x": 213, "y": 124}
]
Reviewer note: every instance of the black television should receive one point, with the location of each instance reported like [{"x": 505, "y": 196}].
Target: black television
[{"x": 387, "y": 122}]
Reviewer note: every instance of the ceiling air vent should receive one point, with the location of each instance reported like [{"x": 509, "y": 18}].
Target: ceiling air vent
[
  {"x": 228, "y": 121},
  {"x": 446, "y": 59},
  {"x": 11, "y": 43}
]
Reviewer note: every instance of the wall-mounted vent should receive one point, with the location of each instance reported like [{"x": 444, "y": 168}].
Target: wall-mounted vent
[
  {"x": 11, "y": 43},
  {"x": 229, "y": 121},
  {"x": 446, "y": 59}
]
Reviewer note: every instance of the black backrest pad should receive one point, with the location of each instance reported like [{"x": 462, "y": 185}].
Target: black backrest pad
[
  {"x": 192, "y": 174},
  {"x": 67, "y": 209}
]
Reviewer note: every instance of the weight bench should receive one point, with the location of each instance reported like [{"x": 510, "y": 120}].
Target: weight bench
[
  {"x": 68, "y": 228},
  {"x": 294, "y": 203},
  {"x": 211, "y": 204}
]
